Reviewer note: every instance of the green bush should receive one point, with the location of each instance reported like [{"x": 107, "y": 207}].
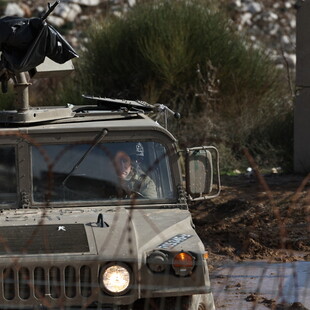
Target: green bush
[
  {"x": 7, "y": 99},
  {"x": 3, "y": 4},
  {"x": 274, "y": 141},
  {"x": 188, "y": 56}
]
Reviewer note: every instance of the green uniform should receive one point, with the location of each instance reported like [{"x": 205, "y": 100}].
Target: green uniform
[{"x": 138, "y": 181}]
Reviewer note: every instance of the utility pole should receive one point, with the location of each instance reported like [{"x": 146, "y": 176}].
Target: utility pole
[{"x": 302, "y": 101}]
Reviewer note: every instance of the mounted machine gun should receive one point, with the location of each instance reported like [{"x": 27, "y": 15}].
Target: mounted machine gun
[{"x": 25, "y": 44}]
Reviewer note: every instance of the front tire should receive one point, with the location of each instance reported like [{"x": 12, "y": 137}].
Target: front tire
[{"x": 199, "y": 302}]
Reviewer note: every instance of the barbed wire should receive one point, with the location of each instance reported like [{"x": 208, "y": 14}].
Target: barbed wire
[{"x": 236, "y": 285}]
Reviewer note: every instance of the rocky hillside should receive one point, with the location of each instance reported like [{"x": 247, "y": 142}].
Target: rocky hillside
[{"x": 271, "y": 22}]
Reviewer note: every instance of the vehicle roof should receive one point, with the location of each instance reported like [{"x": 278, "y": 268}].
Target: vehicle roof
[{"x": 91, "y": 121}]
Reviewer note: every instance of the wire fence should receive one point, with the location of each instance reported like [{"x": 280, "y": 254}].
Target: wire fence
[
  {"x": 276, "y": 273},
  {"x": 70, "y": 230}
]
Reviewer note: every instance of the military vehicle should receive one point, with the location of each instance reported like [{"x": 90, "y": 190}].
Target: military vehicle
[
  {"x": 72, "y": 235},
  {"x": 95, "y": 205}
]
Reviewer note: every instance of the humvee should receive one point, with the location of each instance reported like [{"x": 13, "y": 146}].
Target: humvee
[{"x": 72, "y": 235}]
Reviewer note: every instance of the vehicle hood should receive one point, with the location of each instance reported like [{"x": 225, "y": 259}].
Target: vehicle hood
[{"x": 118, "y": 232}]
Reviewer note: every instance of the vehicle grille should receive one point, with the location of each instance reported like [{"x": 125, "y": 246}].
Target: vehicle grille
[{"x": 38, "y": 282}]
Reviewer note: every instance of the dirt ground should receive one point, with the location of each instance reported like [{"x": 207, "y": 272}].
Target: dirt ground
[
  {"x": 264, "y": 217},
  {"x": 257, "y": 218}
]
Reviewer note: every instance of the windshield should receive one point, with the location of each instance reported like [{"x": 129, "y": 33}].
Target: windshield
[
  {"x": 106, "y": 171},
  {"x": 8, "y": 188}
]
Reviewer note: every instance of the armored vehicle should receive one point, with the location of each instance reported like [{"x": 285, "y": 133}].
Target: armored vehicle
[{"x": 95, "y": 207}]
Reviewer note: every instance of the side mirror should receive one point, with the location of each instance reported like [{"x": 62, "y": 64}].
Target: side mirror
[{"x": 202, "y": 173}]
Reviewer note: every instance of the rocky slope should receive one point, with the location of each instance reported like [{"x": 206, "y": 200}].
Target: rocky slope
[
  {"x": 269, "y": 22},
  {"x": 272, "y": 23}
]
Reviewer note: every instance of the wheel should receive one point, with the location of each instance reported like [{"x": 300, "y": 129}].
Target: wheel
[{"x": 198, "y": 302}]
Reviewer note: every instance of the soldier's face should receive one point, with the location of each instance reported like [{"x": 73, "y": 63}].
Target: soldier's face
[{"x": 125, "y": 168}]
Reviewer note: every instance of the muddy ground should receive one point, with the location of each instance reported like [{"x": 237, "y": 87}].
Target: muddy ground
[
  {"x": 255, "y": 219},
  {"x": 264, "y": 217}
]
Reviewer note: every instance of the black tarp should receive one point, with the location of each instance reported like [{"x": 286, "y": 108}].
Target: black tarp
[{"x": 25, "y": 42}]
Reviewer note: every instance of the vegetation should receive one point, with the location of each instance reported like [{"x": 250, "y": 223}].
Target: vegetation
[
  {"x": 3, "y": 3},
  {"x": 187, "y": 55},
  {"x": 7, "y": 99}
]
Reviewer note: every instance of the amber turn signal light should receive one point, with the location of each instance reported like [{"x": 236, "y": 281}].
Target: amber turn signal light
[
  {"x": 183, "y": 259},
  {"x": 183, "y": 263}
]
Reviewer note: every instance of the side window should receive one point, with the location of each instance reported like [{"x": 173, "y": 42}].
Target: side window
[{"x": 8, "y": 184}]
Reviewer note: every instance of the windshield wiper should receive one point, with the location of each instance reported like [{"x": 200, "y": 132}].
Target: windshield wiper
[{"x": 97, "y": 140}]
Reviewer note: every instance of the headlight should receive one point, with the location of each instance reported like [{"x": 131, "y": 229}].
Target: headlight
[
  {"x": 157, "y": 261},
  {"x": 116, "y": 278}
]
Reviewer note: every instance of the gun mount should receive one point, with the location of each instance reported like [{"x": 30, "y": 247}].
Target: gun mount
[
  {"x": 24, "y": 113},
  {"x": 43, "y": 54},
  {"x": 31, "y": 45}
]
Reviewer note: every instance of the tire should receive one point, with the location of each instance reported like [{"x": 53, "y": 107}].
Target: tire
[{"x": 198, "y": 302}]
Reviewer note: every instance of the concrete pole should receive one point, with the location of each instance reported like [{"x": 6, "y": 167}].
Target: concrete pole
[{"x": 302, "y": 101}]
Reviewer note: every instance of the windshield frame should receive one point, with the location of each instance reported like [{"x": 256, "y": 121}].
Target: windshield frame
[
  {"x": 117, "y": 136},
  {"x": 5, "y": 205}
]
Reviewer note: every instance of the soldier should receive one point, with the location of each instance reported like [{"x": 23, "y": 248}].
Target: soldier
[{"x": 132, "y": 178}]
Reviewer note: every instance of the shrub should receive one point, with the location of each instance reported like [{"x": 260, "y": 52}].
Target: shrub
[
  {"x": 189, "y": 57},
  {"x": 273, "y": 143},
  {"x": 7, "y": 99}
]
